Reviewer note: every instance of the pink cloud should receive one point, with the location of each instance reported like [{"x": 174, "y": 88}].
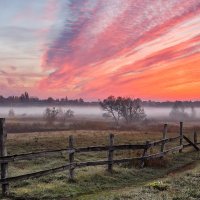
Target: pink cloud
[{"x": 99, "y": 47}]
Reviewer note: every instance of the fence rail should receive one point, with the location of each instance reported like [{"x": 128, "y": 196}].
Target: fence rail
[
  {"x": 71, "y": 150},
  {"x": 85, "y": 164},
  {"x": 32, "y": 155}
]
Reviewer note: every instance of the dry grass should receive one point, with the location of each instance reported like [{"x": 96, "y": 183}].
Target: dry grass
[
  {"x": 24, "y": 125},
  {"x": 59, "y": 139},
  {"x": 89, "y": 180}
]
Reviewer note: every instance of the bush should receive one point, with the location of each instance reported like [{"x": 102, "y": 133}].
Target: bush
[
  {"x": 178, "y": 112},
  {"x": 64, "y": 116},
  {"x": 50, "y": 115},
  {"x": 130, "y": 110},
  {"x": 158, "y": 185},
  {"x": 11, "y": 113}
]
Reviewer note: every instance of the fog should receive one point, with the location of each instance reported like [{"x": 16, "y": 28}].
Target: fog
[
  {"x": 32, "y": 111},
  {"x": 163, "y": 112},
  {"x": 86, "y": 111}
]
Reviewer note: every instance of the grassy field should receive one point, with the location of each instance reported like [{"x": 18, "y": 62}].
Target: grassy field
[
  {"x": 38, "y": 124},
  {"x": 175, "y": 177},
  {"x": 178, "y": 182}
]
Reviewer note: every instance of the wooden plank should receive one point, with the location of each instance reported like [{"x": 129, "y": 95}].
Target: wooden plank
[
  {"x": 124, "y": 160},
  {"x": 114, "y": 147},
  {"x": 84, "y": 164},
  {"x": 92, "y": 163},
  {"x": 181, "y": 135},
  {"x": 160, "y": 142},
  {"x": 71, "y": 159},
  {"x": 158, "y": 155},
  {"x": 27, "y": 156},
  {"x": 32, "y": 155},
  {"x": 147, "y": 157},
  {"x": 144, "y": 154},
  {"x": 195, "y": 137},
  {"x": 191, "y": 143},
  {"x": 110, "y": 153},
  {"x": 164, "y": 137},
  {"x": 36, "y": 174},
  {"x": 3, "y": 152}
]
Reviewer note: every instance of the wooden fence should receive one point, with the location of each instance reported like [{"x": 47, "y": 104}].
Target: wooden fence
[{"x": 71, "y": 150}]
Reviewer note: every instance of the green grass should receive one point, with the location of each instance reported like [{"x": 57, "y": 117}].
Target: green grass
[
  {"x": 91, "y": 181},
  {"x": 183, "y": 186},
  {"x": 95, "y": 183}
]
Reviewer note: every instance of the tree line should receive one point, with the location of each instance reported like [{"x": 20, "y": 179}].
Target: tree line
[
  {"x": 121, "y": 109},
  {"x": 26, "y": 99}
]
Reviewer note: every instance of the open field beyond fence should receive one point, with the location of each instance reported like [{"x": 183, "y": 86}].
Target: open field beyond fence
[{"x": 144, "y": 151}]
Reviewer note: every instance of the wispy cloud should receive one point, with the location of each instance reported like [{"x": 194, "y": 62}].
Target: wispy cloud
[
  {"x": 92, "y": 48},
  {"x": 112, "y": 47}
]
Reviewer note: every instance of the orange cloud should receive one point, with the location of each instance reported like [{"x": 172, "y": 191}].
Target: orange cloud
[{"x": 130, "y": 49}]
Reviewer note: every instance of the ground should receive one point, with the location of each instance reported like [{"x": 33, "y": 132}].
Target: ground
[{"x": 177, "y": 176}]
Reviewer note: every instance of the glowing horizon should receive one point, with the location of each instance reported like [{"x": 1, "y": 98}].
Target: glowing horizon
[{"x": 95, "y": 48}]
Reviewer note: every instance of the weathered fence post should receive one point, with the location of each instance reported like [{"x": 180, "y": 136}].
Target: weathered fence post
[
  {"x": 195, "y": 137},
  {"x": 144, "y": 154},
  {"x": 3, "y": 152},
  {"x": 71, "y": 158},
  {"x": 110, "y": 153},
  {"x": 164, "y": 137},
  {"x": 181, "y": 136}
]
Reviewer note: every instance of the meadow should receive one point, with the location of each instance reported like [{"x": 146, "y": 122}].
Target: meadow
[{"x": 176, "y": 176}]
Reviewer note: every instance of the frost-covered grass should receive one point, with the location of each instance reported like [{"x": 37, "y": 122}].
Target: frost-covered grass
[{"x": 156, "y": 181}]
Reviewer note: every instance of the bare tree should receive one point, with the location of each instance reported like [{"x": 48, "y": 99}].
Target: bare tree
[
  {"x": 178, "y": 111},
  {"x": 111, "y": 106},
  {"x": 65, "y": 115},
  {"x": 68, "y": 114},
  {"x": 129, "y": 109},
  {"x": 50, "y": 115}
]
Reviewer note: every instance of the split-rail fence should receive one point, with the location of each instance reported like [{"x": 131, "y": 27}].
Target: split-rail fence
[{"x": 71, "y": 150}]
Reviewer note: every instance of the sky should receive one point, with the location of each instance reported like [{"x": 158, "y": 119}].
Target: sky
[{"x": 95, "y": 48}]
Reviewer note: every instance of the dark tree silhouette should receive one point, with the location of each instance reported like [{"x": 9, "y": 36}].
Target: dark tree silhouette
[
  {"x": 65, "y": 115},
  {"x": 50, "y": 115},
  {"x": 178, "y": 111},
  {"x": 129, "y": 109},
  {"x": 24, "y": 97},
  {"x": 111, "y": 106}
]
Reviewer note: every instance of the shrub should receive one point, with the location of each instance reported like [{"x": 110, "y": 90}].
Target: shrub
[
  {"x": 64, "y": 116},
  {"x": 50, "y": 115},
  {"x": 130, "y": 110},
  {"x": 158, "y": 185},
  {"x": 11, "y": 113}
]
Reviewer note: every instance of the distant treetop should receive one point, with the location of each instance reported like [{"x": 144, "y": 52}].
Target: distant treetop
[{"x": 27, "y": 99}]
